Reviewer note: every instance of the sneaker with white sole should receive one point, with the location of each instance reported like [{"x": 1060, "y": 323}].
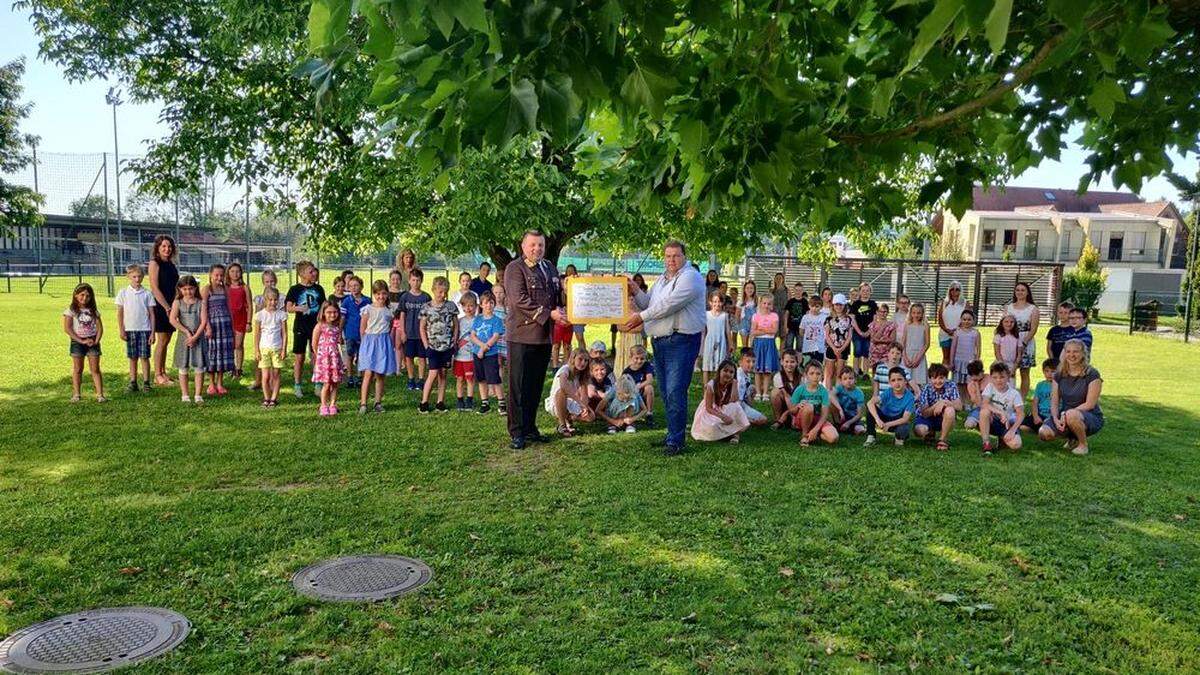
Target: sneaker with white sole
[{"x": 630, "y": 429}]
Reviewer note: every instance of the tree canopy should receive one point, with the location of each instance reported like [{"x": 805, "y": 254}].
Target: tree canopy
[
  {"x": 817, "y": 109},
  {"x": 18, "y": 204}
]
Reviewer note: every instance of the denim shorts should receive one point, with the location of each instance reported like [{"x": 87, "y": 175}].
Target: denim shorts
[
  {"x": 79, "y": 349},
  {"x": 862, "y": 345}
]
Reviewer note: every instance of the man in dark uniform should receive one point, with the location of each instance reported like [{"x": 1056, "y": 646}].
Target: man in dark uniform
[{"x": 534, "y": 296}]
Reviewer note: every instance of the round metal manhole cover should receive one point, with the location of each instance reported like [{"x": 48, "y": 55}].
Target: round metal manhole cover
[
  {"x": 93, "y": 641},
  {"x": 364, "y": 578}
]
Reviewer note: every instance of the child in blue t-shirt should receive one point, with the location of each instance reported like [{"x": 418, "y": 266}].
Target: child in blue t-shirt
[
  {"x": 891, "y": 409},
  {"x": 487, "y": 330},
  {"x": 1040, "y": 410},
  {"x": 810, "y": 408},
  {"x": 351, "y": 310},
  {"x": 849, "y": 404}
]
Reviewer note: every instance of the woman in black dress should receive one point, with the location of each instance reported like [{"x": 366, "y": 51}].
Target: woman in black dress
[{"x": 163, "y": 278}]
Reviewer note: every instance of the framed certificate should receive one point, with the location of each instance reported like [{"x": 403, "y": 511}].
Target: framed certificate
[{"x": 597, "y": 299}]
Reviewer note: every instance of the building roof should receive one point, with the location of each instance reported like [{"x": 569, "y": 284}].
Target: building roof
[{"x": 1034, "y": 201}]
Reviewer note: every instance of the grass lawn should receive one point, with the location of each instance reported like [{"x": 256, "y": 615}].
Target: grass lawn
[{"x": 598, "y": 553}]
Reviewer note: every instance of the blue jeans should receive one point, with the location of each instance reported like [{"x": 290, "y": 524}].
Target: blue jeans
[{"x": 674, "y": 357}]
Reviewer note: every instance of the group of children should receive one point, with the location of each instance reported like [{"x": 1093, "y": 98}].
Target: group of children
[
  {"x": 353, "y": 339},
  {"x": 808, "y": 371},
  {"x": 804, "y": 363}
]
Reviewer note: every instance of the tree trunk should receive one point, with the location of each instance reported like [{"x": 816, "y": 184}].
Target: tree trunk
[{"x": 500, "y": 256}]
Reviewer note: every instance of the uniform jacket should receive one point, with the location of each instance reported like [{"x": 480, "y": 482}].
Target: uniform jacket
[{"x": 531, "y": 293}]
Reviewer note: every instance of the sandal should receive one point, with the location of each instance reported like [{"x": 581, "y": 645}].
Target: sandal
[
  {"x": 734, "y": 439},
  {"x": 777, "y": 426},
  {"x": 565, "y": 431},
  {"x": 101, "y": 399},
  {"x": 943, "y": 446},
  {"x": 75, "y": 398}
]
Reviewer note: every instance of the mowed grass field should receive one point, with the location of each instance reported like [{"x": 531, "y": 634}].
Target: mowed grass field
[{"x": 597, "y": 553}]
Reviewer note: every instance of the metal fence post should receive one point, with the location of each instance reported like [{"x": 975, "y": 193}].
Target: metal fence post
[
  {"x": 1132, "y": 308},
  {"x": 983, "y": 310},
  {"x": 8, "y": 274},
  {"x": 79, "y": 271}
]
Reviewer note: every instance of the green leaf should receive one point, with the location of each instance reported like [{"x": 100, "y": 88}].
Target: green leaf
[
  {"x": 424, "y": 72},
  {"x": 997, "y": 24},
  {"x": 327, "y": 23},
  {"x": 1139, "y": 41},
  {"x": 380, "y": 38},
  {"x": 559, "y": 106},
  {"x": 522, "y": 109},
  {"x": 1104, "y": 97},
  {"x": 470, "y": 13},
  {"x": 648, "y": 89},
  {"x": 931, "y": 29},
  {"x": 691, "y": 138},
  {"x": 881, "y": 100},
  {"x": 442, "y": 17},
  {"x": 443, "y": 91},
  {"x": 1069, "y": 12}
]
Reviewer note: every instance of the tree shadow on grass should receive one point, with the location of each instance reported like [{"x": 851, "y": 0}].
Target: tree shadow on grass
[{"x": 759, "y": 556}]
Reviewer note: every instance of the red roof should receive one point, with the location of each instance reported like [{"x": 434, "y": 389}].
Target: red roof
[
  {"x": 1067, "y": 201},
  {"x": 1008, "y": 199}
]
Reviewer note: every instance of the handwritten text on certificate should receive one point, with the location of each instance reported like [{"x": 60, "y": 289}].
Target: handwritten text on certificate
[{"x": 596, "y": 299}]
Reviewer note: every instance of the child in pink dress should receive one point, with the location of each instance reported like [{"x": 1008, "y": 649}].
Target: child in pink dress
[
  {"x": 327, "y": 363},
  {"x": 883, "y": 333}
]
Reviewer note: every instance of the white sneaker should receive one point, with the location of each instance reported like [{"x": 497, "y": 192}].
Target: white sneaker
[
  {"x": 630, "y": 429},
  {"x": 186, "y": 399},
  {"x": 898, "y": 442},
  {"x": 198, "y": 400},
  {"x": 869, "y": 442}
]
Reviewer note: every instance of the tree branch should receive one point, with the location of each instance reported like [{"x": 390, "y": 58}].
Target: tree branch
[{"x": 1019, "y": 77}]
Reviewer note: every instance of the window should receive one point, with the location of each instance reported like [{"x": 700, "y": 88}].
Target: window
[
  {"x": 1010, "y": 241},
  {"x": 1137, "y": 243},
  {"x": 1031, "y": 245},
  {"x": 1065, "y": 249},
  {"x": 1049, "y": 196},
  {"x": 989, "y": 240},
  {"x": 1116, "y": 245}
]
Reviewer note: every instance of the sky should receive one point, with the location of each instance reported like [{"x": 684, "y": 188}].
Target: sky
[{"x": 72, "y": 117}]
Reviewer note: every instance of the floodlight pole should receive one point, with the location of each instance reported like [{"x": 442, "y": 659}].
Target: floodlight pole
[
  {"x": 113, "y": 98},
  {"x": 246, "y": 217},
  {"x": 108, "y": 264}
]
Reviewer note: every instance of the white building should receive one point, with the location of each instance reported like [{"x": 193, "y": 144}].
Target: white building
[{"x": 1141, "y": 244}]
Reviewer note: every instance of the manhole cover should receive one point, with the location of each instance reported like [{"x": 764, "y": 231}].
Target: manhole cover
[
  {"x": 93, "y": 641},
  {"x": 363, "y": 578}
]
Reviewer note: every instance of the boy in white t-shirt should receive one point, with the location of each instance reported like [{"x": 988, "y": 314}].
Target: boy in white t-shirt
[
  {"x": 1002, "y": 410},
  {"x": 270, "y": 344},
  {"x": 135, "y": 319}
]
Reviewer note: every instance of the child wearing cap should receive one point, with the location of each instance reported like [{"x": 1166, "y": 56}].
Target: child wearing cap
[
  {"x": 599, "y": 352},
  {"x": 837, "y": 339}
]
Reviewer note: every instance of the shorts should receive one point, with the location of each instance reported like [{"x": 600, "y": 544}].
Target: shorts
[
  {"x": 464, "y": 369},
  {"x": 137, "y": 344},
  {"x": 413, "y": 349},
  {"x": 997, "y": 427},
  {"x": 752, "y": 413},
  {"x": 972, "y": 414},
  {"x": 1092, "y": 423},
  {"x": 832, "y": 356},
  {"x": 574, "y": 407},
  {"x": 1030, "y": 422},
  {"x": 562, "y": 334},
  {"x": 439, "y": 360},
  {"x": 862, "y": 345},
  {"x": 578, "y": 328},
  {"x": 487, "y": 369},
  {"x": 931, "y": 423},
  {"x": 81, "y": 350},
  {"x": 301, "y": 339},
  {"x": 945, "y": 344},
  {"x": 271, "y": 358},
  {"x": 826, "y": 425},
  {"x": 351, "y": 346}
]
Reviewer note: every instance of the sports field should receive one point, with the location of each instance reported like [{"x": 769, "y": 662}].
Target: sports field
[{"x": 597, "y": 553}]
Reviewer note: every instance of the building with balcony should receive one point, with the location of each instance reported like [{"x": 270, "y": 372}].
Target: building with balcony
[{"x": 1141, "y": 244}]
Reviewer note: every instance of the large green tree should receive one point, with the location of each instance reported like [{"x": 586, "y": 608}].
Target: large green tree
[
  {"x": 814, "y": 107},
  {"x": 18, "y": 204},
  {"x": 242, "y": 98}
]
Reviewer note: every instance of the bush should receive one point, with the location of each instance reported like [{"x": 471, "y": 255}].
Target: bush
[{"x": 1084, "y": 285}]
